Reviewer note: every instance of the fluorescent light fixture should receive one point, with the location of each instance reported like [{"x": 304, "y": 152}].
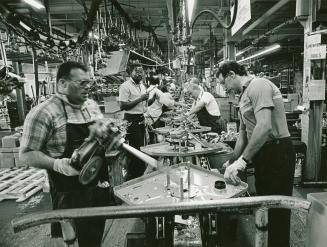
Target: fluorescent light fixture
[
  {"x": 25, "y": 26},
  {"x": 262, "y": 52},
  {"x": 190, "y": 6},
  {"x": 34, "y": 3}
]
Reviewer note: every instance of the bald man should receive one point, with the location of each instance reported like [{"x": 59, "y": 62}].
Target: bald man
[{"x": 206, "y": 108}]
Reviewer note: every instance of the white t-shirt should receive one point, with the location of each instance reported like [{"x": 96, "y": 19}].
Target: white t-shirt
[
  {"x": 154, "y": 111},
  {"x": 210, "y": 103}
]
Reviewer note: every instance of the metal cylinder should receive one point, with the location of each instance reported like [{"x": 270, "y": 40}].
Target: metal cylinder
[{"x": 142, "y": 156}]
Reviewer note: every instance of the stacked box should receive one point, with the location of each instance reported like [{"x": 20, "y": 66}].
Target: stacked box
[
  {"x": 7, "y": 159},
  {"x": 9, "y": 153},
  {"x": 10, "y": 141}
]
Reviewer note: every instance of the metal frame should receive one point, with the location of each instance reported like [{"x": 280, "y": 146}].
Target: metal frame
[{"x": 260, "y": 204}]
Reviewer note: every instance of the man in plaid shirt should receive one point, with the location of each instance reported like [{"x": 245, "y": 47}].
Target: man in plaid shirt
[{"x": 52, "y": 131}]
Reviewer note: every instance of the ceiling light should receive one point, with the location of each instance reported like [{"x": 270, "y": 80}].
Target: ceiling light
[
  {"x": 190, "y": 6},
  {"x": 240, "y": 52},
  {"x": 262, "y": 52},
  {"x": 34, "y": 3},
  {"x": 25, "y": 26}
]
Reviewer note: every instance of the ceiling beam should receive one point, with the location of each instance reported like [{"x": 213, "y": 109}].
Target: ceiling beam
[{"x": 267, "y": 16}]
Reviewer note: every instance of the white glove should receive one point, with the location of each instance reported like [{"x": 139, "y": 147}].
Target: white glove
[
  {"x": 226, "y": 164},
  {"x": 63, "y": 166},
  {"x": 232, "y": 171}
]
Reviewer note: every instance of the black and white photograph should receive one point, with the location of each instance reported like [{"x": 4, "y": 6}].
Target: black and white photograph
[{"x": 163, "y": 123}]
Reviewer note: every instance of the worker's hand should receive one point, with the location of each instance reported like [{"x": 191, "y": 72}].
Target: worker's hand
[
  {"x": 232, "y": 171},
  {"x": 63, "y": 166},
  {"x": 97, "y": 130},
  {"x": 226, "y": 164},
  {"x": 144, "y": 97}
]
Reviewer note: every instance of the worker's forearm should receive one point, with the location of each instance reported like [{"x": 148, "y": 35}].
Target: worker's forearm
[
  {"x": 150, "y": 101},
  {"x": 129, "y": 105},
  {"x": 37, "y": 159},
  {"x": 194, "y": 110},
  {"x": 259, "y": 137},
  {"x": 239, "y": 146}
]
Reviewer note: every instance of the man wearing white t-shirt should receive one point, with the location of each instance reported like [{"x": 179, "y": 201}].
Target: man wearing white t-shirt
[{"x": 206, "y": 108}]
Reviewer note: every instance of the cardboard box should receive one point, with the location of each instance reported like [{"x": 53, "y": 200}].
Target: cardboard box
[
  {"x": 7, "y": 162},
  {"x": 10, "y": 142},
  {"x": 19, "y": 162}
]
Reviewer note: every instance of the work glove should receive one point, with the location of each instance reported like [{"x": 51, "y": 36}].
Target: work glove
[
  {"x": 63, "y": 166},
  {"x": 226, "y": 164},
  {"x": 232, "y": 171}
]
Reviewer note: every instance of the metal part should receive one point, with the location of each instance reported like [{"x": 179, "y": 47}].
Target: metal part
[
  {"x": 224, "y": 205},
  {"x": 261, "y": 224},
  {"x": 142, "y": 156},
  {"x": 90, "y": 170}
]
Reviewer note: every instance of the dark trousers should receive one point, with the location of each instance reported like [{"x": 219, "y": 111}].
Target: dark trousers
[
  {"x": 274, "y": 172},
  {"x": 152, "y": 135},
  {"x": 135, "y": 137},
  {"x": 88, "y": 231}
]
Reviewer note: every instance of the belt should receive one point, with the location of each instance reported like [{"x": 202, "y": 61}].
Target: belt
[{"x": 278, "y": 141}]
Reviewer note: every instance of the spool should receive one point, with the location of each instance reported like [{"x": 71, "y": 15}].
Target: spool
[{"x": 220, "y": 185}]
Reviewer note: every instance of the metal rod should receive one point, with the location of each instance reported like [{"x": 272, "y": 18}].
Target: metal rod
[
  {"x": 68, "y": 232},
  {"x": 142, "y": 156},
  {"x": 314, "y": 184},
  {"x": 114, "y": 212},
  {"x": 261, "y": 225},
  {"x": 168, "y": 179},
  {"x": 181, "y": 188},
  {"x": 189, "y": 180}
]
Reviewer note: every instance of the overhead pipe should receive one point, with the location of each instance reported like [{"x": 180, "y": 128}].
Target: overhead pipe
[{"x": 221, "y": 22}]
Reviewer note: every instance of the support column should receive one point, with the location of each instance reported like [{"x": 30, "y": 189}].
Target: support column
[
  {"x": 20, "y": 93},
  {"x": 229, "y": 43},
  {"x": 311, "y": 119}
]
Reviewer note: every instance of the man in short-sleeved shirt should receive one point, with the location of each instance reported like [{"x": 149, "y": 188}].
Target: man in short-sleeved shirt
[
  {"x": 133, "y": 98},
  {"x": 52, "y": 131},
  {"x": 261, "y": 93},
  {"x": 206, "y": 108},
  {"x": 264, "y": 141}
]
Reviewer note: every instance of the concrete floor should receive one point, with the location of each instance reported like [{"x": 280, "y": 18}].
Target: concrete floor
[{"x": 116, "y": 229}]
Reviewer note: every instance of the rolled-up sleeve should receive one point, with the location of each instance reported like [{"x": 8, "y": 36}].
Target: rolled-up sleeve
[
  {"x": 124, "y": 93},
  {"x": 37, "y": 128},
  {"x": 261, "y": 95}
]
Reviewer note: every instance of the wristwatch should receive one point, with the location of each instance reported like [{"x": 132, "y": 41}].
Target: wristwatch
[{"x": 246, "y": 161}]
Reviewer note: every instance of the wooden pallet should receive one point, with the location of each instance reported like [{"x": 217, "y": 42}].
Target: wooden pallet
[{"x": 21, "y": 183}]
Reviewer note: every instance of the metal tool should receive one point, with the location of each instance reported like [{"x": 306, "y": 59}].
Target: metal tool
[{"x": 88, "y": 157}]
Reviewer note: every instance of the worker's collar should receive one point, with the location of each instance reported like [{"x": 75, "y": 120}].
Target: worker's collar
[
  {"x": 201, "y": 94},
  {"x": 246, "y": 80},
  {"x": 134, "y": 83},
  {"x": 64, "y": 98}
]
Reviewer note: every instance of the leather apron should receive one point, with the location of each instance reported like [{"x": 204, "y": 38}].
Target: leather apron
[{"x": 68, "y": 192}]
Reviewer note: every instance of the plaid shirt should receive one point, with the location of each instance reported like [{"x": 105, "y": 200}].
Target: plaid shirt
[{"x": 45, "y": 125}]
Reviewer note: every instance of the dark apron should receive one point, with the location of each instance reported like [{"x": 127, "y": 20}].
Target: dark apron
[
  {"x": 68, "y": 192},
  {"x": 216, "y": 123}
]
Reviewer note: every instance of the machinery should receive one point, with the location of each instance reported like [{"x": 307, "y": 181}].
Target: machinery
[{"x": 88, "y": 159}]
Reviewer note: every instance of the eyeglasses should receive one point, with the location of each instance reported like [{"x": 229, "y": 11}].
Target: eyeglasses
[{"x": 83, "y": 83}]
